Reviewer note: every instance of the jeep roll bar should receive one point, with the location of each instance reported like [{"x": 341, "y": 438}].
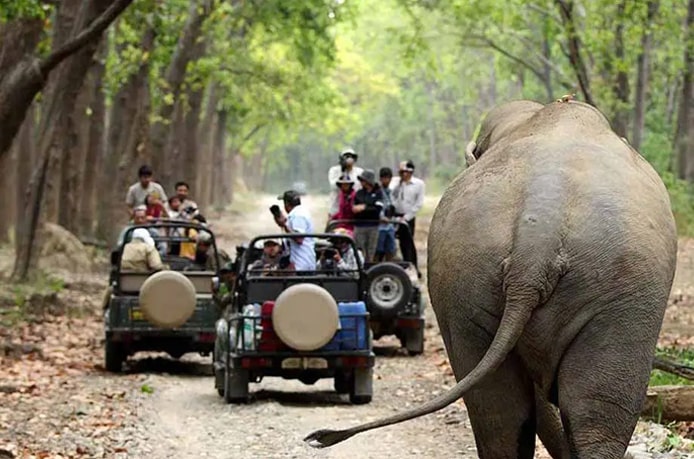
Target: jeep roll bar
[{"x": 243, "y": 265}]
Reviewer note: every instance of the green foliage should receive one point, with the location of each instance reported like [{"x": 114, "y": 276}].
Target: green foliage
[
  {"x": 11, "y": 10},
  {"x": 683, "y": 356}
]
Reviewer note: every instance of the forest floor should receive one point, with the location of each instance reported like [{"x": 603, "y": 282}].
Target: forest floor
[{"x": 57, "y": 401}]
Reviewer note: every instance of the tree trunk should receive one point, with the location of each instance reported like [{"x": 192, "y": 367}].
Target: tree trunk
[
  {"x": 221, "y": 190},
  {"x": 127, "y": 131},
  {"x": 575, "y": 48},
  {"x": 643, "y": 76},
  {"x": 93, "y": 145},
  {"x": 27, "y": 77},
  {"x": 192, "y": 153},
  {"x": 160, "y": 133},
  {"x": 58, "y": 123},
  {"x": 684, "y": 136},
  {"x": 669, "y": 403},
  {"x": 25, "y": 149},
  {"x": 206, "y": 134},
  {"x": 620, "y": 87}
]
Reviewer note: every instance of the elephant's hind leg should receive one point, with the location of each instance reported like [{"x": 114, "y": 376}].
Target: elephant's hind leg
[
  {"x": 602, "y": 383},
  {"x": 502, "y": 406}
]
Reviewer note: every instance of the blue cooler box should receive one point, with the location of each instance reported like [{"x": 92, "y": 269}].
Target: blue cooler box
[{"x": 354, "y": 332}]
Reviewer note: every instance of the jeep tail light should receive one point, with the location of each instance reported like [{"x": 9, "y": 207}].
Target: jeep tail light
[
  {"x": 255, "y": 362},
  {"x": 353, "y": 362},
  {"x": 206, "y": 337}
]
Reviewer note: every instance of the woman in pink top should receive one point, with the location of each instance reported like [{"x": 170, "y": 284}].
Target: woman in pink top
[{"x": 346, "y": 201}]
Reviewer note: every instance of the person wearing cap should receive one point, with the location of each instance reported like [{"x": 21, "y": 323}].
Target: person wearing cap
[
  {"x": 302, "y": 255},
  {"x": 205, "y": 253},
  {"x": 224, "y": 296},
  {"x": 386, "y": 247},
  {"x": 345, "y": 202},
  {"x": 270, "y": 260},
  {"x": 140, "y": 254},
  {"x": 408, "y": 198},
  {"x": 138, "y": 192},
  {"x": 348, "y": 158},
  {"x": 344, "y": 257},
  {"x": 408, "y": 194},
  {"x": 368, "y": 204}
]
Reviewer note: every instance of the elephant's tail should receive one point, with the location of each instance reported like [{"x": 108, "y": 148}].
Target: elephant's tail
[{"x": 520, "y": 303}]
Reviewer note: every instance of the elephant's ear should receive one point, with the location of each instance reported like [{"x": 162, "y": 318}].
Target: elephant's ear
[{"x": 470, "y": 158}]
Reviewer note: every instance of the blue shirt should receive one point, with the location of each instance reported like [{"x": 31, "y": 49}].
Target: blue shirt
[{"x": 303, "y": 255}]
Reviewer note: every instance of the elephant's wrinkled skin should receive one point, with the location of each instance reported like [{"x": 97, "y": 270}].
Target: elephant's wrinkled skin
[{"x": 550, "y": 264}]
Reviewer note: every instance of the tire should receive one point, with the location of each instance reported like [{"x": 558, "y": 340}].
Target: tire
[
  {"x": 114, "y": 357},
  {"x": 236, "y": 385},
  {"x": 389, "y": 289},
  {"x": 361, "y": 387},
  {"x": 414, "y": 341},
  {"x": 342, "y": 384}
]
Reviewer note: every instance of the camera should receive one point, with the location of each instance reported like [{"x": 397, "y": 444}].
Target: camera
[
  {"x": 284, "y": 262},
  {"x": 329, "y": 253},
  {"x": 275, "y": 211}
]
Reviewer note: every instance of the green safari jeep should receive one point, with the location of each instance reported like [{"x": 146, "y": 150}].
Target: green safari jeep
[{"x": 170, "y": 311}]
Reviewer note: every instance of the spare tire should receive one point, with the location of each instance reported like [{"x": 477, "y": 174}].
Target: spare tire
[
  {"x": 167, "y": 299},
  {"x": 389, "y": 289},
  {"x": 305, "y": 317}
]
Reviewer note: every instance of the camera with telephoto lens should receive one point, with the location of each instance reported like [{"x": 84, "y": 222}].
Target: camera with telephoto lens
[
  {"x": 329, "y": 254},
  {"x": 284, "y": 262},
  {"x": 275, "y": 211}
]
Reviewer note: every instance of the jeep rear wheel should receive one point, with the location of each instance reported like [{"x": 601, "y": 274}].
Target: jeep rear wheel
[
  {"x": 361, "y": 390},
  {"x": 114, "y": 357},
  {"x": 236, "y": 385}
]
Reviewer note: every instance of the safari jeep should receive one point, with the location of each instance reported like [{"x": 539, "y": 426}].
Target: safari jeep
[
  {"x": 170, "y": 311},
  {"x": 394, "y": 297},
  {"x": 295, "y": 325}
]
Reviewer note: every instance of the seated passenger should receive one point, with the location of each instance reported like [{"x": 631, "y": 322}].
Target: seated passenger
[
  {"x": 343, "y": 256},
  {"x": 140, "y": 218},
  {"x": 155, "y": 208},
  {"x": 204, "y": 257},
  {"x": 140, "y": 255},
  {"x": 188, "y": 249},
  {"x": 225, "y": 295},
  {"x": 270, "y": 260}
]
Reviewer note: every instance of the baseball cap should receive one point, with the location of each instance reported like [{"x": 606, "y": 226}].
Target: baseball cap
[
  {"x": 407, "y": 166},
  {"x": 289, "y": 196}
]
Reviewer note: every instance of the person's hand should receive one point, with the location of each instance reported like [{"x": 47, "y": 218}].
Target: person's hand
[
  {"x": 358, "y": 208},
  {"x": 337, "y": 257},
  {"x": 281, "y": 221}
]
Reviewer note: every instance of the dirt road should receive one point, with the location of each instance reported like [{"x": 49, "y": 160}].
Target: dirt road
[{"x": 55, "y": 402}]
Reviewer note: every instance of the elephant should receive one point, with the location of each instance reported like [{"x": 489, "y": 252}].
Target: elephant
[{"x": 551, "y": 259}]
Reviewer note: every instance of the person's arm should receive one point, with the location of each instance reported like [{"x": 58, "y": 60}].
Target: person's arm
[
  {"x": 419, "y": 202},
  {"x": 154, "y": 260},
  {"x": 161, "y": 191},
  {"x": 299, "y": 224}
]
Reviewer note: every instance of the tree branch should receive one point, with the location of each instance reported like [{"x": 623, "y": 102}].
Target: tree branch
[
  {"x": 668, "y": 366},
  {"x": 90, "y": 33},
  {"x": 575, "y": 49}
]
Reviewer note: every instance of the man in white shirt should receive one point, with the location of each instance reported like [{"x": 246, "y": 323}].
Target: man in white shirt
[
  {"x": 348, "y": 158},
  {"x": 302, "y": 254},
  {"x": 407, "y": 196},
  {"x": 138, "y": 192}
]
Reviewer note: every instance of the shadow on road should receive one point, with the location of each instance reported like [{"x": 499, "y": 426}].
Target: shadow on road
[
  {"x": 301, "y": 399},
  {"x": 167, "y": 365}
]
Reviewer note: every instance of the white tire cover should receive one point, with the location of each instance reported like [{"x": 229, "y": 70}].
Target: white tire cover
[
  {"x": 167, "y": 299},
  {"x": 305, "y": 317}
]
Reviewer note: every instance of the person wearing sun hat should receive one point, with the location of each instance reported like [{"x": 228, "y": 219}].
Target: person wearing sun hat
[
  {"x": 348, "y": 159},
  {"x": 345, "y": 203}
]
